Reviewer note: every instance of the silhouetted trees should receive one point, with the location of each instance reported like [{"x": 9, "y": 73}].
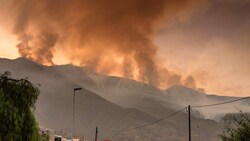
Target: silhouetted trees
[
  {"x": 17, "y": 102},
  {"x": 237, "y": 128}
]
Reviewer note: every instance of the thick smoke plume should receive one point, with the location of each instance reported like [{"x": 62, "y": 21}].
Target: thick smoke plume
[{"x": 105, "y": 35}]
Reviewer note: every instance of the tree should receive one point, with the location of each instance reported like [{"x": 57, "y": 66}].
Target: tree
[
  {"x": 237, "y": 128},
  {"x": 17, "y": 103}
]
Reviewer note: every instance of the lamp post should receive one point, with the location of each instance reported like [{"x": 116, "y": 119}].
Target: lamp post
[{"x": 73, "y": 118}]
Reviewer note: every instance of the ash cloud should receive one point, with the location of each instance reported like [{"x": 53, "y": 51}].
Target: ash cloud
[
  {"x": 98, "y": 34},
  {"x": 38, "y": 48},
  {"x": 169, "y": 79}
]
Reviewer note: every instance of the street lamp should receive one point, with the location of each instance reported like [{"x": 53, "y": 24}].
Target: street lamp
[{"x": 73, "y": 119}]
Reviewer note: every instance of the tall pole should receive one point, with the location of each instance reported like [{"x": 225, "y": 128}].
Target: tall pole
[
  {"x": 96, "y": 132},
  {"x": 189, "y": 123},
  {"x": 73, "y": 118}
]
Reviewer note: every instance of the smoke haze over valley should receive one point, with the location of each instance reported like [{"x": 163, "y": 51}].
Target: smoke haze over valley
[{"x": 114, "y": 104}]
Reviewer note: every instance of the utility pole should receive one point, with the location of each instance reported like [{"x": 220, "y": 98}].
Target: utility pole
[
  {"x": 73, "y": 117},
  {"x": 96, "y": 132},
  {"x": 189, "y": 123}
]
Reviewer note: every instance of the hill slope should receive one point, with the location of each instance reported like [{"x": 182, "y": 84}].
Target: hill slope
[
  {"x": 111, "y": 103},
  {"x": 181, "y": 96}
]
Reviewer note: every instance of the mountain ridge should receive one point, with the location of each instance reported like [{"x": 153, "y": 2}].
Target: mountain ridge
[{"x": 109, "y": 102}]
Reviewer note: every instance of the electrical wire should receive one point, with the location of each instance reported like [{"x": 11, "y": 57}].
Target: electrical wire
[
  {"x": 157, "y": 120},
  {"x": 216, "y": 104},
  {"x": 147, "y": 124},
  {"x": 168, "y": 116}
]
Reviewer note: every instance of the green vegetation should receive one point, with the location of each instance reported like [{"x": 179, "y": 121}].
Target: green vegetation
[
  {"x": 237, "y": 128},
  {"x": 17, "y": 103}
]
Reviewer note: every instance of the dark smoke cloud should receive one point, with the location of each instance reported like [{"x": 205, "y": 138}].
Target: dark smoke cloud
[
  {"x": 38, "y": 48},
  {"x": 190, "y": 82},
  {"x": 169, "y": 79},
  {"x": 128, "y": 70},
  {"x": 99, "y": 34}
]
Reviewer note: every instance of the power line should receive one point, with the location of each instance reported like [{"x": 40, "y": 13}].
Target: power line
[
  {"x": 157, "y": 120},
  {"x": 134, "y": 128},
  {"x": 216, "y": 104},
  {"x": 210, "y": 105},
  {"x": 168, "y": 116}
]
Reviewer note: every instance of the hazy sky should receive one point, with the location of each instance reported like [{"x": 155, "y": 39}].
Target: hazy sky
[
  {"x": 210, "y": 43},
  {"x": 213, "y": 45}
]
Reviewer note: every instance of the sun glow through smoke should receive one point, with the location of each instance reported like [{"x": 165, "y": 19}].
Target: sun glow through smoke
[{"x": 117, "y": 38}]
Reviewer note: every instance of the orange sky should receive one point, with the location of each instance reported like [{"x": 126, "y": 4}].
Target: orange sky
[{"x": 213, "y": 45}]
